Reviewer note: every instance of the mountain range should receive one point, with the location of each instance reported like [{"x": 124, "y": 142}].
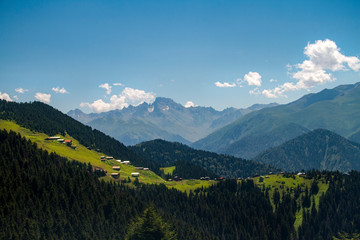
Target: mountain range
[
  {"x": 336, "y": 109},
  {"x": 162, "y": 119},
  {"x": 319, "y": 149}
]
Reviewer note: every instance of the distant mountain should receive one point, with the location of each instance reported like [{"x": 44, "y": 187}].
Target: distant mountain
[
  {"x": 163, "y": 119},
  {"x": 166, "y": 154},
  {"x": 133, "y": 131},
  {"x": 335, "y": 109},
  {"x": 319, "y": 149}
]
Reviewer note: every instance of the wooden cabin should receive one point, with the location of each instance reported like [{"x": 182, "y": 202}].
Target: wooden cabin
[{"x": 135, "y": 174}]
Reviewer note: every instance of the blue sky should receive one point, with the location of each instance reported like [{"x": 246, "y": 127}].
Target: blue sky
[{"x": 104, "y": 55}]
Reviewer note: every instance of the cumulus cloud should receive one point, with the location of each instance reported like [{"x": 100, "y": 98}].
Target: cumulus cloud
[
  {"x": 59, "y": 90},
  {"x": 16, "y": 97},
  {"x": 128, "y": 96},
  {"x": 225, "y": 84},
  {"x": 21, "y": 90},
  {"x": 323, "y": 56},
  {"x": 107, "y": 87},
  {"x": 43, "y": 97},
  {"x": 189, "y": 104},
  {"x": 5, "y": 96},
  {"x": 255, "y": 91},
  {"x": 118, "y": 84},
  {"x": 253, "y": 79}
]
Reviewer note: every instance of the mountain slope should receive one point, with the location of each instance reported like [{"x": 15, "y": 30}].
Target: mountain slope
[
  {"x": 270, "y": 127},
  {"x": 319, "y": 149},
  {"x": 163, "y": 119},
  {"x": 133, "y": 131},
  {"x": 46, "y": 119},
  {"x": 166, "y": 154}
]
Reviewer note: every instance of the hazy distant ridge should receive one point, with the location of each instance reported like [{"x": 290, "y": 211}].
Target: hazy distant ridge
[
  {"x": 319, "y": 149},
  {"x": 163, "y": 119},
  {"x": 336, "y": 109}
]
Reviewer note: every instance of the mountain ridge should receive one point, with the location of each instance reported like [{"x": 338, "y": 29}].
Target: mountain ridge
[
  {"x": 164, "y": 118},
  {"x": 325, "y": 109},
  {"x": 319, "y": 149}
]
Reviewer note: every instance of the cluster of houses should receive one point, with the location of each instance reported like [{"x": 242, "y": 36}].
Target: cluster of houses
[
  {"x": 68, "y": 142},
  {"x": 176, "y": 178}
]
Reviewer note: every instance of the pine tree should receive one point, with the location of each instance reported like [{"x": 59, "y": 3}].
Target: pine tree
[{"x": 150, "y": 226}]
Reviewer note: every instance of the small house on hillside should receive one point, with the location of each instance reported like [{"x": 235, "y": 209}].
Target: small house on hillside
[
  {"x": 52, "y": 138},
  {"x": 125, "y": 162},
  {"x": 115, "y": 175},
  {"x": 139, "y": 168},
  {"x": 61, "y": 140},
  {"x": 146, "y": 169},
  {"x": 117, "y": 168},
  {"x": 108, "y": 158},
  {"x": 135, "y": 174},
  {"x": 68, "y": 142}
]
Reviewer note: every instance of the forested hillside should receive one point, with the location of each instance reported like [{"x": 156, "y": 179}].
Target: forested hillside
[
  {"x": 338, "y": 211},
  {"x": 44, "y": 118},
  {"x": 44, "y": 196},
  {"x": 319, "y": 149},
  {"x": 166, "y": 154}
]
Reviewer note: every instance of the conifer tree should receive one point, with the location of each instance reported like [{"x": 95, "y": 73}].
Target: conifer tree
[{"x": 150, "y": 226}]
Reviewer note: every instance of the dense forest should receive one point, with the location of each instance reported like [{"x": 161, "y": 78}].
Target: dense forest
[
  {"x": 44, "y": 196},
  {"x": 339, "y": 209},
  {"x": 188, "y": 170},
  {"x": 166, "y": 154}
]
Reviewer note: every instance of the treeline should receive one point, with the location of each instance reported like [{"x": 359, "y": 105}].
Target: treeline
[
  {"x": 188, "y": 170},
  {"x": 44, "y": 196},
  {"x": 228, "y": 210},
  {"x": 41, "y": 117},
  {"x": 167, "y": 153}
]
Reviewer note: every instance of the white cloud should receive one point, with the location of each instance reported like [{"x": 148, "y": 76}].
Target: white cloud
[
  {"x": 59, "y": 90},
  {"x": 128, "y": 96},
  {"x": 43, "y": 97},
  {"x": 225, "y": 84},
  {"x": 253, "y": 79},
  {"x": 273, "y": 80},
  {"x": 16, "y": 97},
  {"x": 255, "y": 91},
  {"x": 21, "y": 90},
  {"x": 118, "y": 84},
  {"x": 189, "y": 104},
  {"x": 107, "y": 87},
  {"x": 5, "y": 96},
  {"x": 323, "y": 56}
]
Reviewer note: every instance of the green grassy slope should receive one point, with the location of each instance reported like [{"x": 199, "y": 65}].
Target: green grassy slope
[
  {"x": 84, "y": 155},
  {"x": 81, "y": 154}
]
